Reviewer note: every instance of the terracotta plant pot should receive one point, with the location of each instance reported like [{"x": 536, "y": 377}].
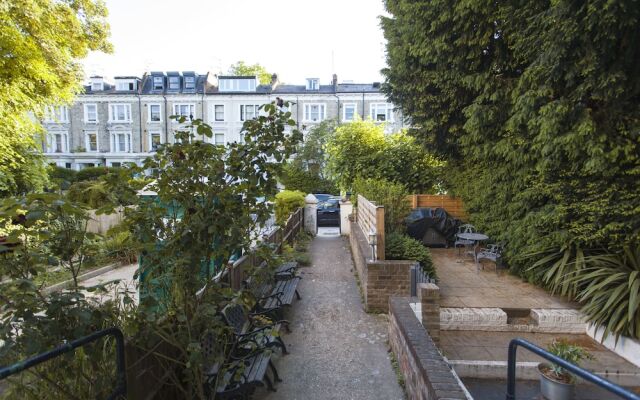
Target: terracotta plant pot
[{"x": 553, "y": 389}]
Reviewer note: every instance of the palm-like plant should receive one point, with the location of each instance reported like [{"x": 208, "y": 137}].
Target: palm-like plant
[
  {"x": 557, "y": 268},
  {"x": 611, "y": 295}
]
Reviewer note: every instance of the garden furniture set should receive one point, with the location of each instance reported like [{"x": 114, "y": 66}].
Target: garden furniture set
[{"x": 470, "y": 239}]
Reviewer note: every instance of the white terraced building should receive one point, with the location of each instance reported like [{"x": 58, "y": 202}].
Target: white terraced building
[{"x": 123, "y": 121}]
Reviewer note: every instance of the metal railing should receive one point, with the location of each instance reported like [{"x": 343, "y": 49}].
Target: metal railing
[
  {"x": 418, "y": 276},
  {"x": 120, "y": 391},
  {"x": 574, "y": 369}
]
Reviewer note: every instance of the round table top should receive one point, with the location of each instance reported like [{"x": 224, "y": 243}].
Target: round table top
[{"x": 473, "y": 236}]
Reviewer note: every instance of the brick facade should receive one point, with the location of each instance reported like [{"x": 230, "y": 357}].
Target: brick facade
[{"x": 427, "y": 375}]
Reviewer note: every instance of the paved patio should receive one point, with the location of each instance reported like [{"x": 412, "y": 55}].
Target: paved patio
[
  {"x": 337, "y": 351},
  {"x": 461, "y": 286}
]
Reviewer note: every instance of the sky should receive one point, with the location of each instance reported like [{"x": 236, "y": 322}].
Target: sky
[{"x": 296, "y": 39}]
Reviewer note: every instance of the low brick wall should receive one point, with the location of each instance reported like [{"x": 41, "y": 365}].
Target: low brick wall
[
  {"x": 379, "y": 279},
  {"x": 427, "y": 375}
]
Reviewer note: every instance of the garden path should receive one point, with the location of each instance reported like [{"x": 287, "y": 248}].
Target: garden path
[{"x": 337, "y": 351}]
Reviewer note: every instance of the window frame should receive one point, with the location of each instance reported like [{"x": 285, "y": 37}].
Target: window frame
[
  {"x": 149, "y": 105},
  {"x": 50, "y": 114},
  {"x": 112, "y": 114},
  {"x": 87, "y": 142},
  {"x": 115, "y": 143},
  {"x": 376, "y": 106},
  {"x": 307, "y": 112},
  {"x": 243, "y": 111},
  {"x": 151, "y": 135},
  {"x": 86, "y": 113},
  {"x": 153, "y": 82},
  {"x": 189, "y": 77},
  {"x": 224, "y": 138},
  {"x": 344, "y": 111},
  {"x": 215, "y": 113},
  {"x": 169, "y": 78},
  {"x": 192, "y": 105},
  {"x": 52, "y": 142}
]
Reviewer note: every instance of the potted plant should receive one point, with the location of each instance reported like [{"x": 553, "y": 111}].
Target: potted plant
[{"x": 556, "y": 383}]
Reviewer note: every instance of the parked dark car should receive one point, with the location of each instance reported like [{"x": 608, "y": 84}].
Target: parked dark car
[
  {"x": 329, "y": 212},
  {"x": 322, "y": 197}
]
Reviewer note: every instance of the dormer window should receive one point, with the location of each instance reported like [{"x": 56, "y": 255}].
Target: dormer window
[
  {"x": 125, "y": 85},
  {"x": 189, "y": 82},
  {"x": 174, "y": 83},
  {"x": 313, "y": 84},
  {"x": 97, "y": 83},
  {"x": 237, "y": 84},
  {"x": 158, "y": 83}
]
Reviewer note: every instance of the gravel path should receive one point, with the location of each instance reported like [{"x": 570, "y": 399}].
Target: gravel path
[{"x": 337, "y": 351}]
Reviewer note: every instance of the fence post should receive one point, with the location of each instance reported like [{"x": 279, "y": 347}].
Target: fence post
[
  {"x": 414, "y": 201},
  {"x": 380, "y": 229},
  {"x": 310, "y": 214}
]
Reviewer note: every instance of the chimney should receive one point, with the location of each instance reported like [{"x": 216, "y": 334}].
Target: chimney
[
  {"x": 334, "y": 82},
  {"x": 274, "y": 81}
]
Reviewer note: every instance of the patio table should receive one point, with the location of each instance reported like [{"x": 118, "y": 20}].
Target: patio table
[{"x": 475, "y": 237}]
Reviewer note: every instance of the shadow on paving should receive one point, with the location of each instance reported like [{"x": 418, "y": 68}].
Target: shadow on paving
[{"x": 337, "y": 351}]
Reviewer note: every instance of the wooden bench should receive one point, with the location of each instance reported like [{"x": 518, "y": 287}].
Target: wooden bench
[
  {"x": 239, "y": 375},
  {"x": 250, "y": 336},
  {"x": 273, "y": 292}
]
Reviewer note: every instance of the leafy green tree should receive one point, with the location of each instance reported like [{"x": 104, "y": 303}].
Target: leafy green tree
[
  {"x": 534, "y": 106},
  {"x": 361, "y": 149},
  {"x": 241, "y": 68},
  {"x": 40, "y": 41},
  {"x": 308, "y": 170}
]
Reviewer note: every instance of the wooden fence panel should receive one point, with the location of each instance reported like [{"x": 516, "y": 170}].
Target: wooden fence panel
[
  {"x": 453, "y": 205},
  {"x": 370, "y": 218}
]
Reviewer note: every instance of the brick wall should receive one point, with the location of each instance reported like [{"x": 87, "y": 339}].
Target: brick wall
[
  {"x": 427, "y": 375},
  {"x": 380, "y": 279}
]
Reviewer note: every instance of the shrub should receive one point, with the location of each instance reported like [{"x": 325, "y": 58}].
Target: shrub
[
  {"x": 287, "y": 202},
  {"x": 297, "y": 178},
  {"x": 303, "y": 259},
  {"x": 93, "y": 173},
  {"x": 118, "y": 246},
  {"x": 93, "y": 194},
  {"x": 63, "y": 177},
  {"x": 393, "y": 196},
  {"x": 402, "y": 247}
]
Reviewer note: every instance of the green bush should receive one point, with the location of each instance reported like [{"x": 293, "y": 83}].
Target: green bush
[
  {"x": 402, "y": 247},
  {"x": 63, "y": 177},
  {"x": 93, "y": 173},
  {"x": 393, "y": 196},
  {"x": 297, "y": 178},
  {"x": 93, "y": 194},
  {"x": 118, "y": 246},
  {"x": 287, "y": 202}
]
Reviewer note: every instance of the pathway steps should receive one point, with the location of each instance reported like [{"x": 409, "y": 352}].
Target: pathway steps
[{"x": 337, "y": 351}]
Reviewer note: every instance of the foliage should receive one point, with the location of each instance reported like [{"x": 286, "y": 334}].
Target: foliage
[
  {"x": 307, "y": 172},
  {"x": 361, "y": 149},
  {"x": 61, "y": 177},
  {"x": 393, "y": 196},
  {"x": 569, "y": 352},
  {"x": 93, "y": 173},
  {"x": 49, "y": 230},
  {"x": 116, "y": 186},
  {"x": 118, "y": 246},
  {"x": 611, "y": 291},
  {"x": 299, "y": 179},
  {"x": 40, "y": 42},
  {"x": 287, "y": 202},
  {"x": 398, "y": 246},
  {"x": 240, "y": 68},
  {"x": 208, "y": 207},
  {"x": 534, "y": 107}
]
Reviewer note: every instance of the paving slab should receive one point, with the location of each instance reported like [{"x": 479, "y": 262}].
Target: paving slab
[
  {"x": 461, "y": 286},
  {"x": 337, "y": 351}
]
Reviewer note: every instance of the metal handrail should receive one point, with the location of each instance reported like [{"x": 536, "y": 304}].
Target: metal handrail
[
  {"x": 121, "y": 384},
  {"x": 574, "y": 369}
]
